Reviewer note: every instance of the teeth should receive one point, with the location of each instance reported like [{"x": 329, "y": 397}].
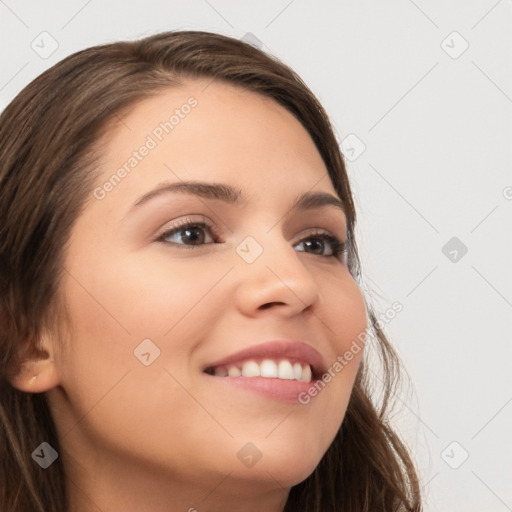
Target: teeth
[
  {"x": 251, "y": 369},
  {"x": 233, "y": 371},
  {"x": 284, "y": 369},
  {"x": 268, "y": 368},
  {"x": 306, "y": 373}
]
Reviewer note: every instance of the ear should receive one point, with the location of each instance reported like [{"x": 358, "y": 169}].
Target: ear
[{"x": 36, "y": 371}]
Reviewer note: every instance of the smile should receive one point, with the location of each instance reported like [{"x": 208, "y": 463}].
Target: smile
[{"x": 285, "y": 369}]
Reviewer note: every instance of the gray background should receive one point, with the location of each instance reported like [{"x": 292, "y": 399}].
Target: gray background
[{"x": 434, "y": 120}]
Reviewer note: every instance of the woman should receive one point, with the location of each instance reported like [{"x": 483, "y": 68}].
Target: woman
[{"x": 181, "y": 322}]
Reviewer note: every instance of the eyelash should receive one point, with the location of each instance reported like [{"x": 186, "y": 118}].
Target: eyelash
[{"x": 338, "y": 247}]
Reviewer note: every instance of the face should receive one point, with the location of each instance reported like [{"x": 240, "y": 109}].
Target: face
[{"x": 174, "y": 290}]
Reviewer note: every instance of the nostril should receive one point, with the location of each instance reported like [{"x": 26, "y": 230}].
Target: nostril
[{"x": 268, "y": 304}]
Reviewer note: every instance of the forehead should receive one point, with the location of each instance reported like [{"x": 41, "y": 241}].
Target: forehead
[{"x": 211, "y": 131}]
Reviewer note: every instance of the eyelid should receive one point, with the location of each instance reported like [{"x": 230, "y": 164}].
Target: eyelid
[{"x": 184, "y": 222}]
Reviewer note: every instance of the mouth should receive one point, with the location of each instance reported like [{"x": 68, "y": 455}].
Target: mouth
[{"x": 277, "y": 369}]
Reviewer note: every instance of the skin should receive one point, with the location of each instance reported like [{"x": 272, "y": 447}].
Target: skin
[{"x": 163, "y": 437}]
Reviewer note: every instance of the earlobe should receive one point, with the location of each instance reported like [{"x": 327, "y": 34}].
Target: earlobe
[
  {"x": 36, "y": 376},
  {"x": 36, "y": 372}
]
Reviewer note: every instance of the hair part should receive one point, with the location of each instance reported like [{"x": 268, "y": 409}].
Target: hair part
[{"x": 51, "y": 138}]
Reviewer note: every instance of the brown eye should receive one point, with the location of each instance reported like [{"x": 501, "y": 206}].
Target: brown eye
[
  {"x": 189, "y": 234},
  {"x": 317, "y": 243}
]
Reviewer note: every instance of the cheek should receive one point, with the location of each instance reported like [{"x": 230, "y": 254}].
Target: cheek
[
  {"x": 141, "y": 297},
  {"x": 112, "y": 398},
  {"x": 115, "y": 304},
  {"x": 344, "y": 313},
  {"x": 345, "y": 309}
]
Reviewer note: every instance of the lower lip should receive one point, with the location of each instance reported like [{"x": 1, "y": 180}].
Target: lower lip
[{"x": 284, "y": 390}]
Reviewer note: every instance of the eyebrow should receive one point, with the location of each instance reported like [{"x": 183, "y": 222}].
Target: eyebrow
[{"x": 231, "y": 195}]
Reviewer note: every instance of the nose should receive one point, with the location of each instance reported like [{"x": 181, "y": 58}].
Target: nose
[{"x": 276, "y": 280}]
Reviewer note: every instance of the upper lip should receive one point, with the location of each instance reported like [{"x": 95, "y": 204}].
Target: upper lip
[{"x": 281, "y": 349}]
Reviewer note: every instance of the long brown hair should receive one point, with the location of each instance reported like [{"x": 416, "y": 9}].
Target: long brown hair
[{"x": 50, "y": 139}]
